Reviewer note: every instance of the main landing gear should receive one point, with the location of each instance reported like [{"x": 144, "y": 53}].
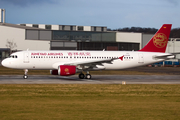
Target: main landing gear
[
  {"x": 87, "y": 76},
  {"x": 25, "y": 74}
]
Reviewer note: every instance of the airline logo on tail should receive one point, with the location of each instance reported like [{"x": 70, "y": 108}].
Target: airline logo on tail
[{"x": 160, "y": 40}]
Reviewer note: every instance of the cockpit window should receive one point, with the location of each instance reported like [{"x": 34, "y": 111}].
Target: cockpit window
[{"x": 13, "y": 56}]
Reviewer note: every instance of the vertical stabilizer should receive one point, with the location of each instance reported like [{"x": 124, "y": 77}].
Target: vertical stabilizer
[{"x": 159, "y": 41}]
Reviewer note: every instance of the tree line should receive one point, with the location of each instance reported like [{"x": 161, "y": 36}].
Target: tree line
[{"x": 175, "y": 32}]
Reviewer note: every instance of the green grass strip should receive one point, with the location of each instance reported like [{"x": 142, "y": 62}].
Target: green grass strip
[{"x": 89, "y": 102}]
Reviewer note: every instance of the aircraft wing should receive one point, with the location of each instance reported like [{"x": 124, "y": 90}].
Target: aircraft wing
[{"x": 87, "y": 65}]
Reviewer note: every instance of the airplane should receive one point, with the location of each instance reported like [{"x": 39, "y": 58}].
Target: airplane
[{"x": 66, "y": 62}]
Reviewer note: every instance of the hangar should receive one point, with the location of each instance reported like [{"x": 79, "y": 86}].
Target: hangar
[{"x": 64, "y": 37}]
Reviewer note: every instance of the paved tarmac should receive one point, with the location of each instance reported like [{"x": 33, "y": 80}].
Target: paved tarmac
[{"x": 96, "y": 79}]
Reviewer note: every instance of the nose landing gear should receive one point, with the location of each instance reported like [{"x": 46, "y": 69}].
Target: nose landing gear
[{"x": 25, "y": 74}]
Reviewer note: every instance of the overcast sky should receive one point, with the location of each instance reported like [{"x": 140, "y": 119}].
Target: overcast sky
[{"x": 111, "y": 13}]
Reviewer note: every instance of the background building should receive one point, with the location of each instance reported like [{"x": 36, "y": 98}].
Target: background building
[
  {"x": 84, "y": 38},
  {"x": 65, "y": 37}
]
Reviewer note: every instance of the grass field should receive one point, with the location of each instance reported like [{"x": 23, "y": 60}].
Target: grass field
[{"x": 89, "y": 102}]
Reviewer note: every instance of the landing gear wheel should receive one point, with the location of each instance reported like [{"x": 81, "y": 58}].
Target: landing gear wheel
[
  {"x": 25, "y": 76},
  {"x": 81, "y": 76},
  {"x": 25, "y": 73},
  {"x": 88, "y": 76}
]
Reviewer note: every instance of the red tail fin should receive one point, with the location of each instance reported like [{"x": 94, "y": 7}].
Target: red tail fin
[{"x": 159, "y": 41}]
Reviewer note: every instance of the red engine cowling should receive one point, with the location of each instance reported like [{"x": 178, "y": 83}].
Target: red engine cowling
[{"x": 64, "y": 70}]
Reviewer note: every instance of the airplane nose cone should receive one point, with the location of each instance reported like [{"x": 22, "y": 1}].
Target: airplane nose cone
[{"x": 4, "y": 63}]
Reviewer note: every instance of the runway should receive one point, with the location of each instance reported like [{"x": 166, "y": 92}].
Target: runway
[{"x": 96, "y": 79}]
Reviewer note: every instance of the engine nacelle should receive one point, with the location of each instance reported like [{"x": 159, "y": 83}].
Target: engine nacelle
[{"x": 64, "y": 70}]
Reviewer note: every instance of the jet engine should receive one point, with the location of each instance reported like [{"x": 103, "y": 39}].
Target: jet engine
[{"x": 64, "y": 70}]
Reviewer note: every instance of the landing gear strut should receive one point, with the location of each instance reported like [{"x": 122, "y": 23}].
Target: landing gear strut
[
  {"x": 25, "y": 73},
  {"x": 87, "y": 76}
]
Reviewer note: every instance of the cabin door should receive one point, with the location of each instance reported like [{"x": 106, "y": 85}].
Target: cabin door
[
  {"x": 141, "y": 58},
  {"x": 26, "y": 57}
]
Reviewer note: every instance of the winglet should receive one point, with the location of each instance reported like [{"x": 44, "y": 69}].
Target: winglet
[{"x": 159, "y": 41}]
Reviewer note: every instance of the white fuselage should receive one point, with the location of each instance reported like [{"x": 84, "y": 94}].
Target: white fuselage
[{"x": 52, "y": 59}]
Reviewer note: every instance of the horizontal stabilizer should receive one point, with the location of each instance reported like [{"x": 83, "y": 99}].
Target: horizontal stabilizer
[{"x": 165, "y": 57}]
